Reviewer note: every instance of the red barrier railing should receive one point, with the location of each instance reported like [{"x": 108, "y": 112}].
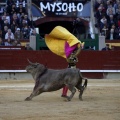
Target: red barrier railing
[{"x": 88, "y": 60}]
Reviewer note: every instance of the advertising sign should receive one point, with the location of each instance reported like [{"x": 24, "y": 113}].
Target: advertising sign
[{"x": 65, "y": 8}]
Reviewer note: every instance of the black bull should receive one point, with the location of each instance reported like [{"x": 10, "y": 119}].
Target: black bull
[{"x": 47, "y": 80}]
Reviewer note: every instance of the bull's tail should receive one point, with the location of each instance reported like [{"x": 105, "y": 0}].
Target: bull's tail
[
  {"x": 82, "y": 88},
  {"x": 85, "y": 83}
]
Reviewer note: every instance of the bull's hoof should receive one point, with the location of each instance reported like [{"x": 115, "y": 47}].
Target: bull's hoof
[
  {"x": 27, "y": 99},
  {"x": 68, "y": 98},
  {"x": 80, "y": 98}
]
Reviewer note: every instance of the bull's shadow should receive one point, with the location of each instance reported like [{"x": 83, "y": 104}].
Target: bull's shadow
[{"x": 47, "y": 80}]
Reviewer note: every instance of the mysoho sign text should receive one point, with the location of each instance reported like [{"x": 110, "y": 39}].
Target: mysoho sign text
[{"x": 61, "y": 7}]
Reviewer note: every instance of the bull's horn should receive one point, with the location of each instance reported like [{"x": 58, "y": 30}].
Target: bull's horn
[{"x": 30, "y": 62}]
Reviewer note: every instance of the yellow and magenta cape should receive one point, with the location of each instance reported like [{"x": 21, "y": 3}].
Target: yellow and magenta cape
[{"x": 61, "y": 42}]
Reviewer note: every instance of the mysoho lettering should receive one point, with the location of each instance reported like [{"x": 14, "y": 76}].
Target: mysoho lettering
[{"x": 63, "y": 7}]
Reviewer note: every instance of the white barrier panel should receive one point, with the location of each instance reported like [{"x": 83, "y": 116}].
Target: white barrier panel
[
  {"x": 15, "y": 71},
  {"x": 101, "y": 42},
  {"x": 33, "y": 42}
]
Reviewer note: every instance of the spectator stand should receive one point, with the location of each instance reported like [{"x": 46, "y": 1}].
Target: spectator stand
[
  {"x": 109, "y": 24},
  {"x": 14, "y": 16}
]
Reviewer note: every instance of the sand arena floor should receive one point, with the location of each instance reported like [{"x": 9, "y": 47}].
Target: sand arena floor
[{"x": 101, "y": 101}]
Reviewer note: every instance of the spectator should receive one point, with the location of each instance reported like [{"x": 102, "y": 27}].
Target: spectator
[
  {"x": 2, "y": 21},
  {"x": 113, "y": 32},
  {"x": 111, "y": 21},
  {"x": 6, "y": 23},
  {"x": 5, "y": 16},
  {"x": 28, "y": 47},
  {"x": 15, "y": 19},
  {"x": 97, "y": 4},
  {"x": 20, "y": 10},
  {"x": 89, "y": 48},
  {"x": 106, "y": 48},
  {"x": 103, "y": 22},
  {"x": 118, "y": 23},
  {"x": 118, "y": 13},
  {"x": 8, "y": 42},
  {"x": 5, "y": 30},
  {"x": 18, "y": 34},
  {"x": 0, "y": 33},
  {"x": 23, "y": 24},
  {"x": 117, "y": 31},
  {"x": 16, "y": 43},
  {"x": 10, "y": 2},
  {"x": 9, "y": 34},
  {"x": 34, "y": 32},
  {"x": 9, "y": 5},
  {"x": 26, "y": 20},
  {"x": 21, "y": 17},
  {"x": 12, "y": 10},
  {"x": 79, "y": 28},
  {"x": 103, "y": 7},
  {"x": 26, "y": 32},
  {"x": 105, "y": 31},
  {"x": 112, "y": 48},
  {"x": 110, "y": 12},
  {"x": 14, "y": 26},
  {"x": 1, "y": 42},
  {"x": 116, "y": 5},
  {"x": 99, "y": 14},
  {"x": 108, "y": 4}
]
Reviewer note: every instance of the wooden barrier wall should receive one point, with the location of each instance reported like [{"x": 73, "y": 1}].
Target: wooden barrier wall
[{"x": 88, "y": 60}]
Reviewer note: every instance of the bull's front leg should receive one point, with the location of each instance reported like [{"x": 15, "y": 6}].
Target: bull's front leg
[
  {"x": 33, "y": 94},
  {"x": 36, "y": 91},
  {"x": 73, "y": 90}
]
